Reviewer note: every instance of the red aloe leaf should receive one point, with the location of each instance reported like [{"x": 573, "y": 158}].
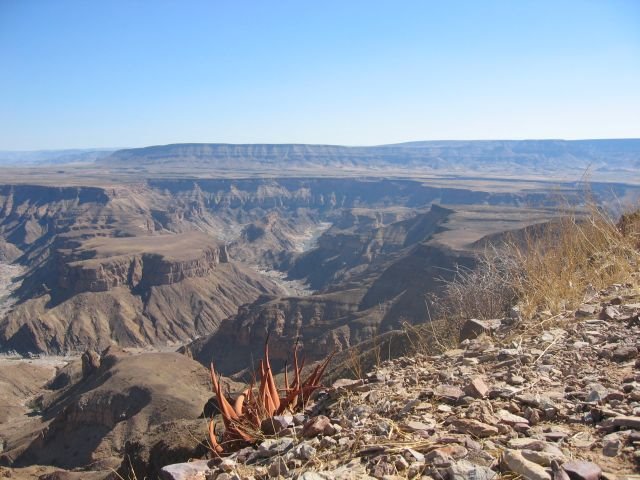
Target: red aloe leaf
[
  {"x": 227, "y": 411},
  {"x": 215, "y": 447},
  {"x": 271, "y": 383}
]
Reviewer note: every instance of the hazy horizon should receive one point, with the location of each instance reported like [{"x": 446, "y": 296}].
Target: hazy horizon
[{"x": 107, "y": 149}]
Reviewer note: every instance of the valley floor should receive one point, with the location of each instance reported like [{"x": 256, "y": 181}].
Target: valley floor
[{"x": 308, "y": 240}]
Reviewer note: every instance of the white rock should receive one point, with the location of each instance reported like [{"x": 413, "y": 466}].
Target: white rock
[
  {"x": 464, "y": 470},
  {"x": 185, "y": 471},
  {"x": 516, "y": 463}
]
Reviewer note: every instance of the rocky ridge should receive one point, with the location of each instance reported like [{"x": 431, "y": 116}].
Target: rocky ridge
[
  {"x": 552, "y": 399},
  {"x": 87, "y": 413}
]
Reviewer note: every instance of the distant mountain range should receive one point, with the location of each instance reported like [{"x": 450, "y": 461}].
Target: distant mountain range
[
  {"x": 538, "y": 155},
  {"x": 51, "y": 157}
]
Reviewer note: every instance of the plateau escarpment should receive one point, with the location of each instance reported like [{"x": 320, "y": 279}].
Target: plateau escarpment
[
  {"x": 494, "y": 157},
  {"x": 145, "y": 296},
  {"x": 100, "y": 270},
  {"x": 138, "y": 262}
]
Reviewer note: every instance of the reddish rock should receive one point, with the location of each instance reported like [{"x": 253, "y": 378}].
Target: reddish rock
[
  {"x": 627, "y": 422},
  {"x": 609, "y": 313},
  {"x": 510, "y": 418},
  {"x": 454, "y": 451},
  {"x": 415, "y": 426},
  {"x": 316, "y": 426},
  {"x": 516, "y": 463},
  {"x": 473, "y": 328},
  {"x": 581, "y": 470},
  {"x": 185, "y": 471},
  {"x": 624, "y": 353},
  {"x": 586, "y": 310},
  {"x": 476, "y": 388},
  {"x": 273, "y": 425},
  {"x": 474, "y": 427},
  {"x": 449, "y": 393}
]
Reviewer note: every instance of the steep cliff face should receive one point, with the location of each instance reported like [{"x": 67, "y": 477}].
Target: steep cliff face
[
  {"x": 364, "y": 238},
  {"x": 99, "y": 270},
  {"x": 133, "y": 300},
  {"x": 8, "y": 252},
  {"x": 275, "y": 239},
  {"x": 215, "y": 195},
  {"x": 319, "y": 323},
  {"x": 30, "y": 212},
  {"x": 334, "y": 320},
  {"x": 136, "y": 271}
]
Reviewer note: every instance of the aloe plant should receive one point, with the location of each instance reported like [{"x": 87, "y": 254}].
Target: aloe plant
[{"x": 243, "y": 419}]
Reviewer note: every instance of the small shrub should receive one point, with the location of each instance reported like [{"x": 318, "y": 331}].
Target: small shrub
[{"x": 485, "y": 291}]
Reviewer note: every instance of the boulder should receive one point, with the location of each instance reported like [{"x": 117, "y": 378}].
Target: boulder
[
  {"x": 316, "y": 426},
  {"x": 476, "y": 388},
  {"x": 474, "y": 328},
  {"x": 516, "y": 463}
]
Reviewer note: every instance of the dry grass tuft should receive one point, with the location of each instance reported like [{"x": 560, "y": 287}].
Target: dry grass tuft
[{"x": 547, "y": 267}]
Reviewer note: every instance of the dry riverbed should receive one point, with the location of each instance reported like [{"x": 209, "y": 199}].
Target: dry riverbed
[{"x": 306, "y": 241}]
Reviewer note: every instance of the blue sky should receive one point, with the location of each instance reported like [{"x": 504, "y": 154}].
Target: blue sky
[{"x": 134, "y": 73}]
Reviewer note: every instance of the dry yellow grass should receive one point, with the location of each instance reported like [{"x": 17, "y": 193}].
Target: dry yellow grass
[
  {"x": 547, "y": 267},
  {"x": 553, "y": 271}
]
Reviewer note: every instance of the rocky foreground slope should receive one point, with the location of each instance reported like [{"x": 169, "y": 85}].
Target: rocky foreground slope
[{"x": 555, "y": 398}]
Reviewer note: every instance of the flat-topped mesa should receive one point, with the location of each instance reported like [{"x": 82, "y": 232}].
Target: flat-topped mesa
[{"x": 148, "y": 261}]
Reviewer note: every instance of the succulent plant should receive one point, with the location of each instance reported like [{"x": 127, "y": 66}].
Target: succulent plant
[{"x": 243, "y": 419}]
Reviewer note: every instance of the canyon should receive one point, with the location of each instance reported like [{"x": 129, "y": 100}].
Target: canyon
[
  {"x": 166, "y": 261},
  {"x": 120, "y": 277}
]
